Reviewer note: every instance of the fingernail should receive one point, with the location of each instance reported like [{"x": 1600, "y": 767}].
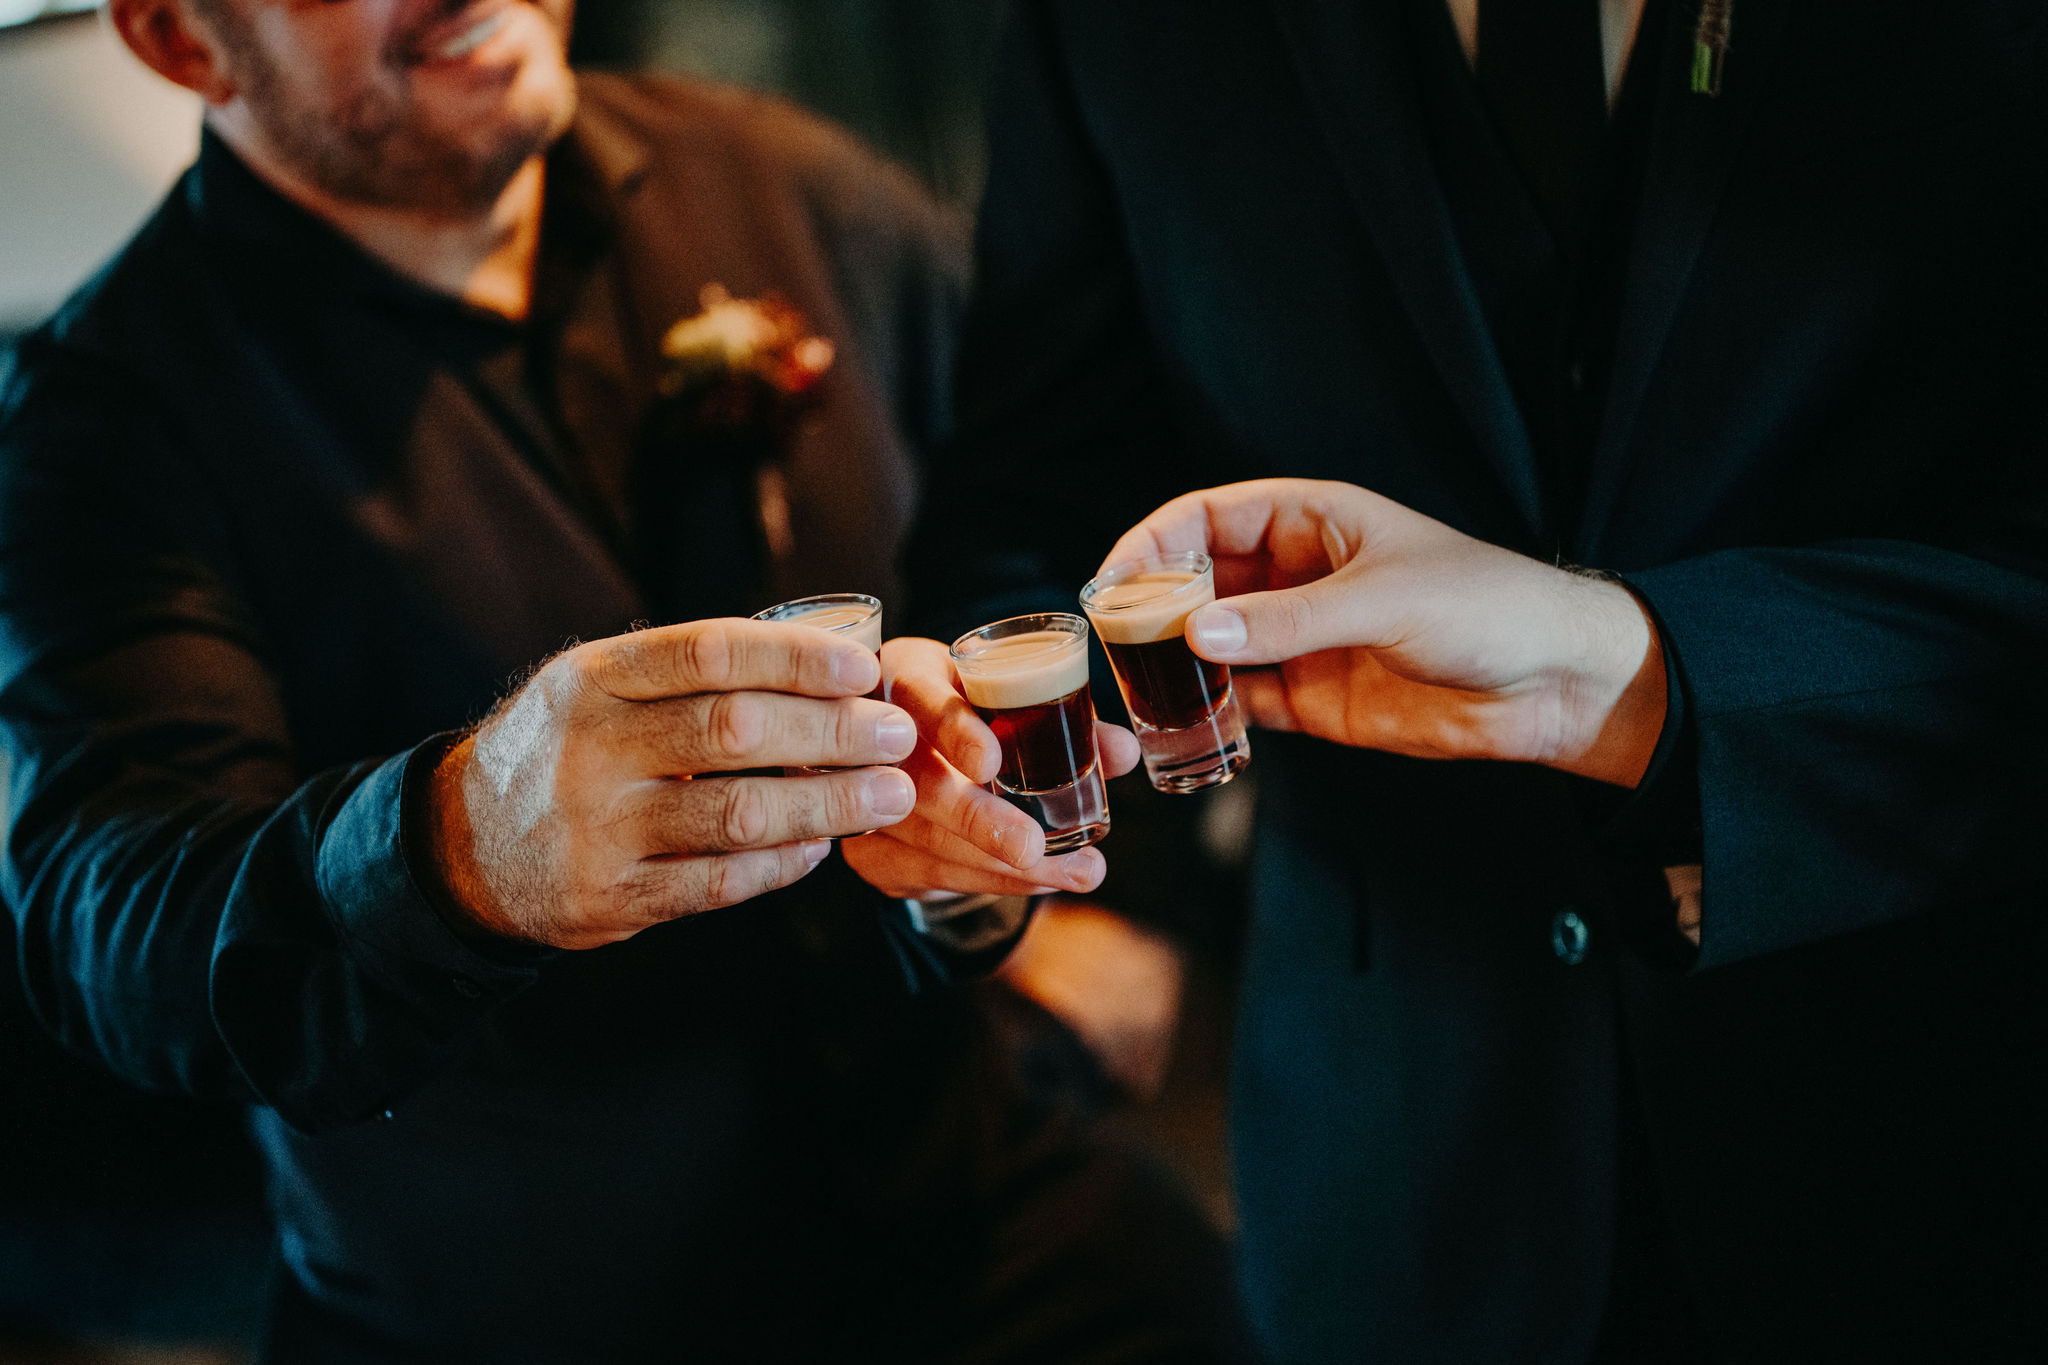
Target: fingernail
[
  {"x": 991, "y": 765},
  {"x": 815, "y": 851},
  {"x": 896, "y": 734},
  {"x": 1218, "y": 630},
  {"x": 850, "y": 668},
  {"x": 1013, "y": 845},
  {"x": 1082, "y": 869},
  {"x": 891, "y": 793}
]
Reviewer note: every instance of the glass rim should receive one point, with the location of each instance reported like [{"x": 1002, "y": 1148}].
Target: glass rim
[
  {"x": 1075, "y": 627},
  {"x": 1197, "y": 560},
  {"x": 821, "y": 601}
]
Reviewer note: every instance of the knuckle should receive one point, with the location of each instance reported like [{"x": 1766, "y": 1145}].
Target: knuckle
[
  {"x": 703, "y": 657},
  {"x": 743, "y": 814},
  {"x": 1297, "y": 615},
  {"x": 845, "y": 729},
  {"x": 718, "y": 883},
  {"x": 773, "y": 873},
  {"x": 847, "y": 806},
  {"x": 789, "y": 865},
  {"x": 644, "y": 901},
  {"x": 736, "y": 725},
  {"x": 587, "y": 670}
]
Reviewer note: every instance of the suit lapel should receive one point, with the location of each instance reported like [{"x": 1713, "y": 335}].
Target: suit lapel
[
  {"x": 1353, "y": 60},
  {"x": 1693, "y": 143}
]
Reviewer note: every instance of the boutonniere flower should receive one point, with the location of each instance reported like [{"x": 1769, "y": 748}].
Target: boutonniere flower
[
  {"x": 1710, "y": 45},
  {"x": 743, "y": 367},
  {"x": 737, "y": 380}
]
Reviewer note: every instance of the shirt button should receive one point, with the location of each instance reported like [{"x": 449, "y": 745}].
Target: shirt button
[{"x": 1569, "y": 937}]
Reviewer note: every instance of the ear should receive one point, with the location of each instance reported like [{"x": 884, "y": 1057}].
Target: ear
[{"x": 172, "y": 42}]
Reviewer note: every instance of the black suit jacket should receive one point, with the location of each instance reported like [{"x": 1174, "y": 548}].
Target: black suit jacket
[{"x": 1214, "y": 246}]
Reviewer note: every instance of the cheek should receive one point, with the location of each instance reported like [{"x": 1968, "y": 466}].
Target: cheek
[{"x": 325, "y": 57}]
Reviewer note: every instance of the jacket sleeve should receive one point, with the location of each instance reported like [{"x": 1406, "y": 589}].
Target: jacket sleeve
[
  {"x": 1865, "y": 748},
  {"x": 192, "y": 910}
]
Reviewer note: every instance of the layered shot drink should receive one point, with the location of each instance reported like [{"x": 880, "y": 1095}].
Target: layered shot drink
[
  {"x": 1187, "y": 719},
  {"x": 1028, "y": 678},
  {"x": 853, "y": 614}
]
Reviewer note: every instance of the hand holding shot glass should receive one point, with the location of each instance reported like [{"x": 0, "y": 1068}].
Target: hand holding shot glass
[
  {"x": 1360, "y": 621},
  {"x": 966, "y": 836}
]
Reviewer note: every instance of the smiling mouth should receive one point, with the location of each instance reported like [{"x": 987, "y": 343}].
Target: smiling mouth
[{"x": 471, "y": 38}]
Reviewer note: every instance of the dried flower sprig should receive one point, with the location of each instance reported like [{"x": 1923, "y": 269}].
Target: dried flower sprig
[
  {"x": 1710, "y": 46},
  {"x": 743, "y": 365}
]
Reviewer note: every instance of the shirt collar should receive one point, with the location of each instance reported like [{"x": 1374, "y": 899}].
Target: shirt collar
[{"x": 612, "y": 148}]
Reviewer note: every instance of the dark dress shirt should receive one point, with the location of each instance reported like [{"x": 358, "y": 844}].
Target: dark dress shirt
[{"x": 272, "y": 518}]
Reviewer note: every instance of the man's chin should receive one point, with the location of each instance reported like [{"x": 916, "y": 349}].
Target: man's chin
[{"x": 528, "y": 130}]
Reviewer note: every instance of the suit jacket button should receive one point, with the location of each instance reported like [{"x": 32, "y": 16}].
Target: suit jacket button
[{"x": 1569, "y": 937}]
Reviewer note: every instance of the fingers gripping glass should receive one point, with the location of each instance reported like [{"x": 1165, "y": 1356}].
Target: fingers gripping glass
[
  {"x": 1189, "y": 727},
  {"x": 1027, "y": 677},
  {"x": 854, "y": 615}
]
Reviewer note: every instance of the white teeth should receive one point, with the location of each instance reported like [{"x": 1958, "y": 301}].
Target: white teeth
[{"x": 472, "y": 38}]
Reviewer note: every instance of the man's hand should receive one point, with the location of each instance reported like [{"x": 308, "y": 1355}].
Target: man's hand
[
  {"x": 1393, "y": 631},
  {"x": 588, "y": 806},
  {"x": 964, "y": 838}
]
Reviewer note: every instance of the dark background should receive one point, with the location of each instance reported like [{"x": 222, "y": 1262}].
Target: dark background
[{"x": 907, "y": 75}]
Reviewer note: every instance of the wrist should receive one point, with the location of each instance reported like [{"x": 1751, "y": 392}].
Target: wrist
[
  {"x": 460, "y": 891},
  {"x": 1615, "y": 696}
]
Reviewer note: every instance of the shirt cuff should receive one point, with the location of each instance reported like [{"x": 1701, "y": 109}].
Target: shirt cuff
[
  {"x": 971, "y": 924},
  {"x": 946, "y": 941},
  {"x": 369, "y": 876}
]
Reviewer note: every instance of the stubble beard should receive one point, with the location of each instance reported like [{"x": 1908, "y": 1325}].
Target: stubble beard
[{"x": 377, "y": 150}]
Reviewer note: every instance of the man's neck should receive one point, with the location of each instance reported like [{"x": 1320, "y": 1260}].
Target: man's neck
[{"x": 485, "y": 258}]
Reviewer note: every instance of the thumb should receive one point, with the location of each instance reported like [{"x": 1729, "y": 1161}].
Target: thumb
[{"x": 1272, "y": 627}]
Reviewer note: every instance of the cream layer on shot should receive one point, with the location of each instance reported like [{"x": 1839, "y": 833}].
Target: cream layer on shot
[
  {"x": 1153, "y": 604},
  {"x": 859, "y": 624},
  {"x": 1032, "y": 669}
]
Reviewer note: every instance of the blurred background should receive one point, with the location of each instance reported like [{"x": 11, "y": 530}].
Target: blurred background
[{"x": 131, "y": 1229}]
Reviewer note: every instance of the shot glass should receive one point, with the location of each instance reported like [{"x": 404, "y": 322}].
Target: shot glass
[
  {"x": 1189, "y": 727},
  {"x": 855, "y": 615},
  {"x": 1028, "y": 678}
]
